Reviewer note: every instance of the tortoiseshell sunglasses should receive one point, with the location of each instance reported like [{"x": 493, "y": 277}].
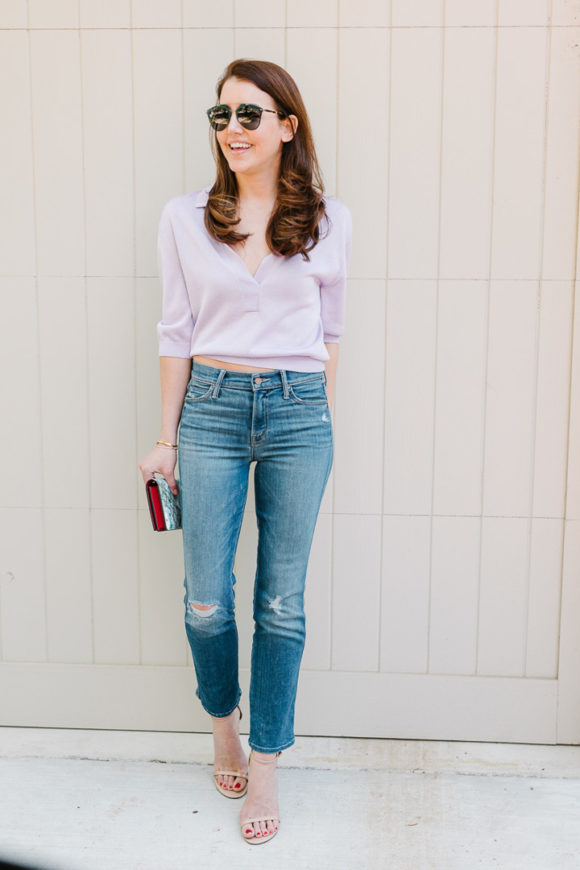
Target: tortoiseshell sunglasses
[{"x": 248, "y": 115}]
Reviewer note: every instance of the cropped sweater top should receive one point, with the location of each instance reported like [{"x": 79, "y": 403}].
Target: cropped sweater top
[{"x": 280, "y": 317}]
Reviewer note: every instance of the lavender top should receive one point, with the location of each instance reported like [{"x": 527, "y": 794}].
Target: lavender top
[{"x": 279, "y": 318}]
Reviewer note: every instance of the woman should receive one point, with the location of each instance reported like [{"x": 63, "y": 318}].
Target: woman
[{"x": 254, "y": 284}]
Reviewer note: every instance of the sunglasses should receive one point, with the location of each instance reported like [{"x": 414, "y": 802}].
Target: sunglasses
[{"x": 248, "y": 115}]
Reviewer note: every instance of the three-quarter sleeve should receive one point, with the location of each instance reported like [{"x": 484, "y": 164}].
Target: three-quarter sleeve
[
  {"x": 175, "y": 328},
  {"x": 333, "y": 292}
]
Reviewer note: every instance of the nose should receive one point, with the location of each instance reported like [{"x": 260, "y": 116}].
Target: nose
[{"x": 233, "y": 120}]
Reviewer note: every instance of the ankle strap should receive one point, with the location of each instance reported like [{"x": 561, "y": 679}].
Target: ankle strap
[{"x": 261, "y": 760}]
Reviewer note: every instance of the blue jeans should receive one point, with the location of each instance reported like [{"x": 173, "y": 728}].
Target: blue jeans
[{"x": 280, "y": 420}]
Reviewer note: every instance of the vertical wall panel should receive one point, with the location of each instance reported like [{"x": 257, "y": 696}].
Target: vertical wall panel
[
  {"x": 198, "y": 13},
  {"x": 161, "y": 593},
  {"x": 14, "y": 13},
  {"x": 409, "y": 396},
  {"x": 364, "y": 144},
  {"x": 69, "y": 603},
  {"x": 405, "y": 594},
  {"x": 304, "y": 14},
  {"x": 573, "y": 481},
  {"x": 562, "y": 144},
  {"x": 459, "y": 408},
  {"x": 454, "y": 594},
  {"x": 22, "y": 476},
  {"x": 364, "y": 13},
  {"x": 57, "y": 13},
  {"x": 519, "y": 153},
  {"x": 22, "y": 594},
  {"x": 62, "y": 315},
  {"x": 250, "y": 42},
  {"x": 551, "y": 423},
  {"x": 116, "y": 604},
  {"x": 105, "y": 13},
  {"x": 257, "y": 14},
  {"x": 466, "y": 159},
  {"x": 111, "y": 310},
  {"x": 470, "y": 13},
  {"x": 518, "y": 13},
  {"x": 415, "y": 152},
  {"x": 360, "y": 404},
  {"x": 158, "y": 150},
  {"x": 503, "y": 596},
  {"x": 16, "y": 179},
  {"x": 511, "y": 386},
  {"x": 148, "y": 13},
  {"x": 58, "y": 149},
  {"x": 543, "y": 627},
  {"x": 356, "y": 592},
  {"x": 417, "y": 13},
  {"x": 108, "y": 151}
]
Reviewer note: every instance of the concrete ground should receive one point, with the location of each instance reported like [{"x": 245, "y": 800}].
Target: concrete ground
[{"x": 114, "y": 800}]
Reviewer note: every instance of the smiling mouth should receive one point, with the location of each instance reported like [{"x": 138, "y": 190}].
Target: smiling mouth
[{"x": 236, "y": 150}]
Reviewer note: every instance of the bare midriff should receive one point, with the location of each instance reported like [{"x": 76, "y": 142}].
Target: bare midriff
[{"x": 236, "y": 367}]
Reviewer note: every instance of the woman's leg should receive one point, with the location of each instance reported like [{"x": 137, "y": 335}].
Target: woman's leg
[
  {"x": 214, "y": 471},
  {"x": 290, "y": 478}
]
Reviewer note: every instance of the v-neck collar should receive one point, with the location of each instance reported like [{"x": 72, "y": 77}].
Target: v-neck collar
[
  {"x": 244, "y": 266},
  {"x": 200, "y": 202}
]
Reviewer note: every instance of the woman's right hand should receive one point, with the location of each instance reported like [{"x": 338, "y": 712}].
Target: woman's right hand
[{"x": 161, "y": 460}]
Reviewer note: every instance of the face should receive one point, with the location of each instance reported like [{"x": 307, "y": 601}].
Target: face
[{"x": 266, "y": 142}]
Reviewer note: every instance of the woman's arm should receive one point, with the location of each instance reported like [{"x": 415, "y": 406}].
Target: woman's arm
[
  {"x": 175, "y": 375},
  {"x": 330, "y": 367}
]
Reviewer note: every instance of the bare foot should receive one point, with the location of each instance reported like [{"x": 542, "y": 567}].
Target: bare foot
[
  {"x": 262, "y": 797},
  {"x": 228, "y": 750}
]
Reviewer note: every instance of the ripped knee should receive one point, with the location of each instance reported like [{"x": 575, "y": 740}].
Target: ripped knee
[{"x": 202, "y": 610}]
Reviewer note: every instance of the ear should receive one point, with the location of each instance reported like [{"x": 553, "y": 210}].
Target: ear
[{"x": 291, "y": 123}]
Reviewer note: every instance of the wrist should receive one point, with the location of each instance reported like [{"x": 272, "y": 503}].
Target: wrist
[{"x": 165, "y": 444}]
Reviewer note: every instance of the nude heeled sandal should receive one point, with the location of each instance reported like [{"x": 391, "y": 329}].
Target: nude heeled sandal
[
  {"x": 262, "y": 838},
  {"x": 230, "y": 792}
]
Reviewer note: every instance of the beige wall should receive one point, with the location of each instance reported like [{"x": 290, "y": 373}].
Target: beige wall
[{"x": 447, "y": 548}]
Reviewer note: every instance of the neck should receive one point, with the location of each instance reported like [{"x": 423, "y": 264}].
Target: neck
[{"x": 257, "y": 191}]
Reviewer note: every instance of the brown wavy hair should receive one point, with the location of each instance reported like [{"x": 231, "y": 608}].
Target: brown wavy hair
[{"x": 294, "y": 225}]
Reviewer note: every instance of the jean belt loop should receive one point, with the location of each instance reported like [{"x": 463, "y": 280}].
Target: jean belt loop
[
  {"x": 285, "y": 392},
  {"x": 325, "y": 378},
  {"x": 216, "y": 389}
]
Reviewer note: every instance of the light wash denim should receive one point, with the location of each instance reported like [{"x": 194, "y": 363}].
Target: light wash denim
[{"x": 280, "y": 420}]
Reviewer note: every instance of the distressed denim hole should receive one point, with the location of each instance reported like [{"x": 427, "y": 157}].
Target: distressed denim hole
[
  {"x": 275, "y": 604},
  {"x": 203, "y": 610}
]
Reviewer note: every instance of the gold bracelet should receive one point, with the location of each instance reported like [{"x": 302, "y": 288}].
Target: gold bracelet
[{"x": 161, "y": 443}]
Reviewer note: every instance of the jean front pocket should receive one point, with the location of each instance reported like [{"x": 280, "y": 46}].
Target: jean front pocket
[
  {"x": 198, "y": 389},
  {"x": 312, "y": 392}
]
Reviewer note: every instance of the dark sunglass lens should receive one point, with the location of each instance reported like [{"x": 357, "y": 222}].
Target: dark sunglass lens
[
  {"x": 219, "y": 118},
  {"x": 249, "y": 117}
]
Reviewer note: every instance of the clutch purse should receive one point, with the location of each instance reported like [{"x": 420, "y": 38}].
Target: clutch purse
[{"x": 164, "y": 507}]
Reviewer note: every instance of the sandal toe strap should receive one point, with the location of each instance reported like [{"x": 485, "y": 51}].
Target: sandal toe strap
[
  {"x": 231, "y": 773},
  {"x": 261, "y": 819}
]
